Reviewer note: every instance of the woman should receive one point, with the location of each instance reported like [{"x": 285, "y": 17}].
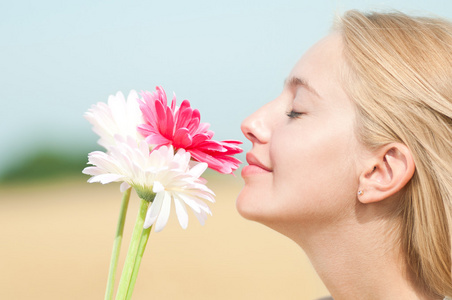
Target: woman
[{"x": 353, "y": 161}]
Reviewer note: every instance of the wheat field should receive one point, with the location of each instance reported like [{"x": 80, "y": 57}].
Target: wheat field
[{"x": 56, "y": 240}]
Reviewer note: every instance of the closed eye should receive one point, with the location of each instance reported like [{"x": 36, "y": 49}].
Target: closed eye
[{"x": 293, "y": 114}]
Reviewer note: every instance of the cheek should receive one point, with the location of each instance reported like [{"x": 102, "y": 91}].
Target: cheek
[{"x": 314, "y": 176}]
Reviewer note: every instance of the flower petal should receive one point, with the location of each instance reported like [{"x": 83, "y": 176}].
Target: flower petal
[
  {"x": 106, "y": 178},
  {"x": 198, "y": 169},
  {"x": 153, "y": 210},
  {"x": 158, "y": 187},
  {"x": 163, "y": 216},
  {"x": 181, "y": 213},
  {"x": 118, "y": 117},
  {"x": 124, "y": 186},
  {"x": 182, "y": 138},
  {"x": 201, "y": 216}
]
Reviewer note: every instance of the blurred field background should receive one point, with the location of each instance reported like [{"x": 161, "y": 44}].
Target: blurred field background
[
  {"x": 228, "y": 58},
  {"x": 56, "y": 239}
]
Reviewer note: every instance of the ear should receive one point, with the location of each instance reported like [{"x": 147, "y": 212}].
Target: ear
[{"x": 386, "y": 172}]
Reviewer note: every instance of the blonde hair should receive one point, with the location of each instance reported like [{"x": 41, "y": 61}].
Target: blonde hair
[{"x": 398, "y": 72}]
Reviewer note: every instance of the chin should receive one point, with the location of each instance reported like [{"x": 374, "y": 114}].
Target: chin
[
  {"x": 248, "y": 205},
  {"x": 243, "y": 206},
  {"x": 251, "y": 205},
  {"x": 254, "y": 200}
]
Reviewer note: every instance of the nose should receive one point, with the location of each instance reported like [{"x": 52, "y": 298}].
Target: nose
[{"x": 256, "y": 127}]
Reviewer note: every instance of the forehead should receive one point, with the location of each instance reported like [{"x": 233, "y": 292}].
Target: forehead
[{"x": 320, "y": 65}]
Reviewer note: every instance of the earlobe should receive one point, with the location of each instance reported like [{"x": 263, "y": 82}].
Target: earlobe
[{"x": 388, "y": 170}]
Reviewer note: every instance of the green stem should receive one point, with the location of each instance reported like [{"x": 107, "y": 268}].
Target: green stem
[
  {"x": 136, "y": 267},
  {"x": 117, "y": 245},
  {"x": 132, "y": 252}
]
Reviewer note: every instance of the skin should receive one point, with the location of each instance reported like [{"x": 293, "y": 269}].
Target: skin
[
  {"x": 302, "y": 152},
  {"x": 306, "y": 167}
]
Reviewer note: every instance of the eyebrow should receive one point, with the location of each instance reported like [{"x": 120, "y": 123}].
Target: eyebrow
[{"x": 295, "y": 82}]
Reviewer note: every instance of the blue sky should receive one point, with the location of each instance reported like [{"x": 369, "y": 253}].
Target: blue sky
[{"x": 57, "y": 58}]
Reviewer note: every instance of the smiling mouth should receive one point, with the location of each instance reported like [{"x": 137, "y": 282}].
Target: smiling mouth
[
  {"x": 255, "y": 166},
  {"x": 253, "y": 170}
]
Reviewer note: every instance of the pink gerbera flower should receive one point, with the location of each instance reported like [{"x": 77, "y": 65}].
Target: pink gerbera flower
[{"x": 181, "y": 127}]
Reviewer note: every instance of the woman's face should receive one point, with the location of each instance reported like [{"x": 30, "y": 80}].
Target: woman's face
[{"x": 302, "y": 167}]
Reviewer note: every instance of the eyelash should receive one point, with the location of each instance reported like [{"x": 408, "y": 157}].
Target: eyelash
[{"x": 293, "y": 114}]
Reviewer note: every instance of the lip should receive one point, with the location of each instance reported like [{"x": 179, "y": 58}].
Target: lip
[{"x": 255, "y": 166}]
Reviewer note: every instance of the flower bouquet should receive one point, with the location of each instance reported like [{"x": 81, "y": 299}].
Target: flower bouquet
[{"x": 160, "y": 151}]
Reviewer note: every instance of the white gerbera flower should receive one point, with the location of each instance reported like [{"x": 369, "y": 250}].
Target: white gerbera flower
[
  {"x": 159, "y": 177},
  {"x": 118, "y": 117}
]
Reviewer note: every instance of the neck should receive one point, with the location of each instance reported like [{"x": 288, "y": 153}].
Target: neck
[{"x": 360, "y": 259}]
